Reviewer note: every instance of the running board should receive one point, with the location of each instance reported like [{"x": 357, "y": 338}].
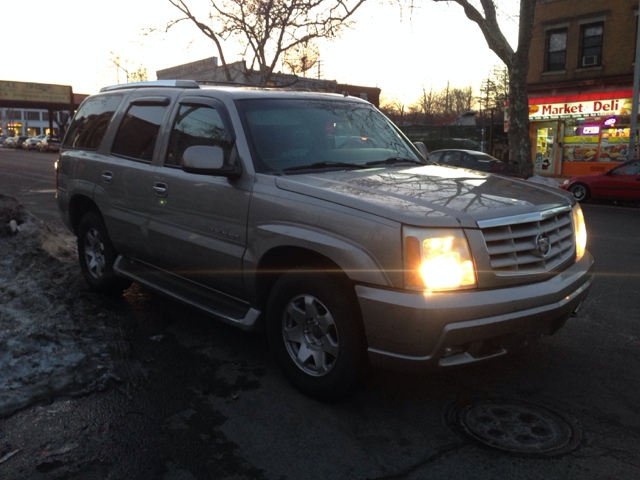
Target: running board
[{"x": 224, "y": 307}]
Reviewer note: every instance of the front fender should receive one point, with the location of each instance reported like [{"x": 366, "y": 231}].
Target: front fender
[{"x": 357, "y": 263}]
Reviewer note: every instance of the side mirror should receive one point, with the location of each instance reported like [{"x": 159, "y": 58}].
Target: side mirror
[
  {"x": 208, "y": 160},
  {"x": 422, "y": 148}
]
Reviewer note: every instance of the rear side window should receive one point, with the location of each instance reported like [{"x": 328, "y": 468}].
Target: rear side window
[
  {"x": 195, "y": 125},
  {"x": 138, "y": 132},
  {"x": 91, "y": 122}
]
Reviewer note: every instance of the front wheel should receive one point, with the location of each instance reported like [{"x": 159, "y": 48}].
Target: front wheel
[
  {"x": 580, "y": 192},
  {"x": 97, "y": 255},
  {"x": 314, "y": 334}
]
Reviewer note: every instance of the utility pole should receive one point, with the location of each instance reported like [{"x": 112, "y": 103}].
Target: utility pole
[{"x": 634, "y": 105}]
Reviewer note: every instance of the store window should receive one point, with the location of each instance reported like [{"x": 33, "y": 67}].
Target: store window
[
  {"x": 591, "y": 44},
  {"x": 45, "y": 116},
  {"x": 596, "y": 139},
  {"x": 556, "y": 50},
  {"x": 14, "y": 114},
  {"x": 615, "y": 135},
  {"x": 581, "y": 138},
  {"x": 33, "y": 116}
]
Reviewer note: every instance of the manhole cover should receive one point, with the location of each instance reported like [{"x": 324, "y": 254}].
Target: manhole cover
[{"x": 515, "y": 426}]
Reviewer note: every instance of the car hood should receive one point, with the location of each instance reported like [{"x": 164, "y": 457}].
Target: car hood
[{"x": 429, "y": 195}]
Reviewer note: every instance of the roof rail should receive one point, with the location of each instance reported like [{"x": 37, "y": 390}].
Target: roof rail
[{"x": 153, "y": 83}]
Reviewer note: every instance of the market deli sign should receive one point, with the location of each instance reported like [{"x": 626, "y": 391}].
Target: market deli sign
[{"x": 620, "y": 106}]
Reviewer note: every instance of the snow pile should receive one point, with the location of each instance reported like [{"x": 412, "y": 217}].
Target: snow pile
[
  {"x": 53, "y": 339},
  {"x": 544, "y": 180}
]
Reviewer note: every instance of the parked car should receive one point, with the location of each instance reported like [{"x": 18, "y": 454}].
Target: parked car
[
  {"x": 50, "y": 143},
  {"x": 242, "y": 203},
  {"x": 619, "y": 183},
  {"x": 32, "y": 142},
  {"x": 15, "y": 141},
  {"x": 20, "y": 139},
  {"x": 472, "y": 160},
  {"x": 8, "y": 141}
]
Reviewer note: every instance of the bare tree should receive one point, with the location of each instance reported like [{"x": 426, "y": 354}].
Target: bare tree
[
  {"x": 463, "y": 99},
  {"x": 302, "y": 57},
  {"x": 269, "y": 28},
  {"x": 517, "y": 62},
  {"x": 394, "y": 107},
  {"x": 131, "y": 72},
  {"x": 494, "y": 91},
  {"x": 426, "y": 104}
]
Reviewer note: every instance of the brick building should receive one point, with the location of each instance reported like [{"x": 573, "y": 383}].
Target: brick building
[
  {"x": 209, "y": 70},
  {"x": 580, "y": 84}
]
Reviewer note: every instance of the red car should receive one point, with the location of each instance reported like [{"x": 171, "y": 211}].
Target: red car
[{"x": 619, "y": 183}]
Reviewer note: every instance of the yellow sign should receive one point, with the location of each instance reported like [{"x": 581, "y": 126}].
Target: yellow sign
[
  {"x": 589, "y": 139},
  {"x": 34, "y": 92}
]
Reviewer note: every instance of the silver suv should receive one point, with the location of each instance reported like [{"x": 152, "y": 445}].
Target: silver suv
[{"x": 313, "y": 216}]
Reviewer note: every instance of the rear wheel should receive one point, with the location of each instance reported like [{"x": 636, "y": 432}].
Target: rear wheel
[
  {"x": 314, "y": 334},
  {"x": 97, "y": 255},
  {"x": 580, "y": 192}
]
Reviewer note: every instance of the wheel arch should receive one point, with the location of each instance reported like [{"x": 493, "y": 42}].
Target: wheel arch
[
  {"x": 284, "y": 259},
  {"x": 79, "y": 205}
]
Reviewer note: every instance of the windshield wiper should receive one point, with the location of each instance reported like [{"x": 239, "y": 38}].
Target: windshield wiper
[
  {"x": 394, "y": 160},
  {"x": 317, "y": 165}
]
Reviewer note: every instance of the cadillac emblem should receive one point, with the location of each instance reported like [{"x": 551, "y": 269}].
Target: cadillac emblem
[{"x": 543, "y": 245}]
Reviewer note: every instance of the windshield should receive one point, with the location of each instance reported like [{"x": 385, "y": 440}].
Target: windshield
[{"x": 298, "y": 132}]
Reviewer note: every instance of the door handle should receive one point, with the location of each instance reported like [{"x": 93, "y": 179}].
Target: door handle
[
  {"x": 160, "y": 189},
  {"x": 107, "y": 177}
]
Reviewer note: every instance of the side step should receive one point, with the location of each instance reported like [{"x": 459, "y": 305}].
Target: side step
[{"x": 228, "y": 309}]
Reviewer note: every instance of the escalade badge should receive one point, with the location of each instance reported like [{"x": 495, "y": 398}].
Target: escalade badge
[{"x": 543, "y": 245}]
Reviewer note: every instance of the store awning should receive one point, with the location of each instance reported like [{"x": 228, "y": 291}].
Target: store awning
[{"x": 582, "y": 97}]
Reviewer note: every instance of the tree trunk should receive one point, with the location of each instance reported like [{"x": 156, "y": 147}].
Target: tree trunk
[{"x": 519, "y": 138}]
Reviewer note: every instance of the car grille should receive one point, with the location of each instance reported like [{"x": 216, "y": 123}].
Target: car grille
[{"x": 512, "y": 242}]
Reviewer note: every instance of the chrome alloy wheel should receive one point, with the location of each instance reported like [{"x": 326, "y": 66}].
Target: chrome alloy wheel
[
  {"x": 310, "y": 335},
  {"x": 94, "y": 253},
  {"x": 579, "y": 192}
]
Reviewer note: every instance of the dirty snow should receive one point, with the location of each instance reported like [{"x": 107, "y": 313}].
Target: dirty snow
[{"x": 53, "y": 338}]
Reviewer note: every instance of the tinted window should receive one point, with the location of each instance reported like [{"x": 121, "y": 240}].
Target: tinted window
[
  {"x": 452, "y": 158},
  {"x": 137, "y": 134},
  {"x": 292, "y": 133},
  {"x": 483, "y": 156},
  {"x": 435, "y": 156},
  {"x": 91, "y": 121},
  {"x": 195, "y": 125}
]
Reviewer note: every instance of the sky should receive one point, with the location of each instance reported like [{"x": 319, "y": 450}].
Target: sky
[{"x": 69, "y": 42}]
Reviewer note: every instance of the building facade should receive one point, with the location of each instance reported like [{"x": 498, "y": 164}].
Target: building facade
[
  {"x": 22, "y": 121},
  {"x": 208, "y": 70},
  {"x": 580, "y": 84}
]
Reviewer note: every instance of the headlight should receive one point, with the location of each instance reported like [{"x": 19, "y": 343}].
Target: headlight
[
  {"x": 566, "y": 182},
  {"x": 437, "y": 259},
  {"x": 580, "y": 231}
]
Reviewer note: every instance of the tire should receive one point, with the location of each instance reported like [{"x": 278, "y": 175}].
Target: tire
[
  {"x": 97, "y": 255},
  {"x": 314, "y": 333},
  {"x": 580, "y": 192}
]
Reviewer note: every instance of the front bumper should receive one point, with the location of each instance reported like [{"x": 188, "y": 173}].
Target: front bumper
[{"x": 406, "y": 329}]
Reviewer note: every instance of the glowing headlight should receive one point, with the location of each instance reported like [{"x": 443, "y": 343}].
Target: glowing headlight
[
  {"x": 437, "y": 259},
  {"x": 580, "y": 230}
]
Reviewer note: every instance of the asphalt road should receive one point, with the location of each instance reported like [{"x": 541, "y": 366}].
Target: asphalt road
[{"x": 198, "y": 399}]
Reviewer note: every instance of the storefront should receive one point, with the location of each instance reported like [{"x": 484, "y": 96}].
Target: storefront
[{"x": 580, "y": 134}]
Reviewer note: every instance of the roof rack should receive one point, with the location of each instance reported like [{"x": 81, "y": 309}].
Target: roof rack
[{"x": 153, "y": 83}]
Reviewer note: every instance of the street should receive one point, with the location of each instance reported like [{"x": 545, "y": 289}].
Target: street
[{"x": 197, "y": 399}]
